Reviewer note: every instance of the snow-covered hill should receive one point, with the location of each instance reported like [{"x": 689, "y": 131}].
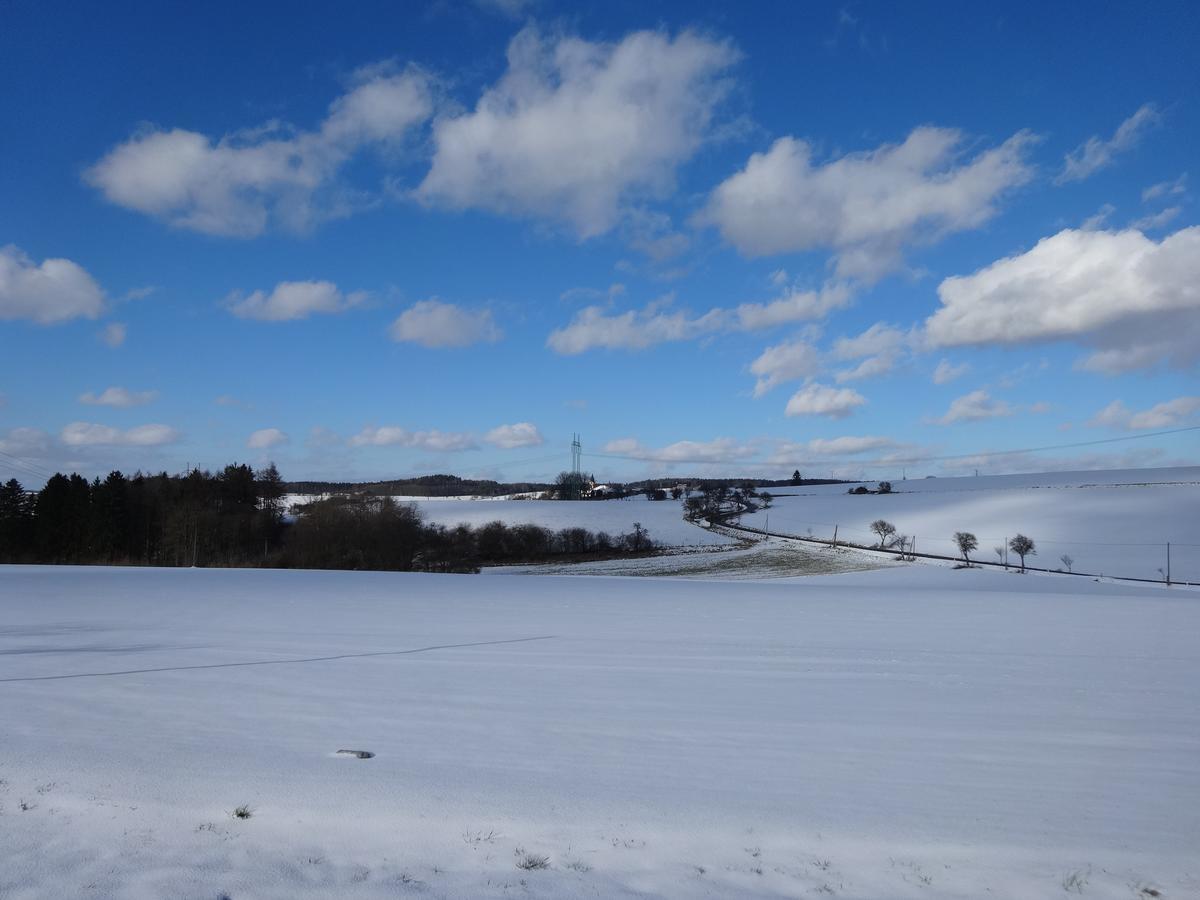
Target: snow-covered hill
[{"x": 1113, "y": 523}]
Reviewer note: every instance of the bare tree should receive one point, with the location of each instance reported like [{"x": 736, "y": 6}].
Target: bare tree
[
  {"x": 884, "y": 529},
  {"x": 1067, "y": 561},
  {"x": 1022, "y": 546},
  {"x": 966, "y": 543},
  {"x": 1000, "y": 554}
]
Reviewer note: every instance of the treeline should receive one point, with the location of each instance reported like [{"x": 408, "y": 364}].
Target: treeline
[
  {"x": 235, "y": 517},
  {"x": 378, "y": 533},
  {"x": 229, "y": 518}
]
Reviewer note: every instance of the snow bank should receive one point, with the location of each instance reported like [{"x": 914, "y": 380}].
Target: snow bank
[{"x": 901, "y": 733}]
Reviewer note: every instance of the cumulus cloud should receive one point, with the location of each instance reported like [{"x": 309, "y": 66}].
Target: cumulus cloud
[
  {"x": 87, "y": 434},
  {"x": 54, "y": 291},
  {"x": 1168, "y": 414},
  {"x": 265, "y": 438},
  {"x": 113, "y": 334},
  {"x": 118, "y": 396},
  {"x": 974, "y": 407},
  {"x": 947, "y": 371},
  {"x": 884, "y": 346},
  {"x": 1134, "y": 299},
  {"x": 822, "y": 400},
  {"x": 595, "y": 328},
  {"x": 433, "y": 323},
  {"x": 520, "y": 434},
  {"x": 293, "y": 300},
  {"x": 1096, "y": 153},
  {"x": 715, "y": 451},
  {"x": 575, "y": 129},
  {"x": 656, "y": 323},
  {"x": 243, "y": 183},
  {"x": 864, "y": 207},
  {"x": 434, "y": 440},
  {"x": 785, "y": 362},
  {"x": 794, "y": 305}
]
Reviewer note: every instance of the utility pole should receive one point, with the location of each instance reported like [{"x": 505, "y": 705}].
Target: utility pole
[{"x": 1168, "y": 562}]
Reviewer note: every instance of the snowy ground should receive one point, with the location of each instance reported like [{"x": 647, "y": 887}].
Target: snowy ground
[
  {"x": 1111, "y": 523},
  {"x": 907, "y": 732}
]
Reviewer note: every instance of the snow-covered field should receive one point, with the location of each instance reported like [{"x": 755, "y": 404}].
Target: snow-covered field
[
  {"x": 1111, "y": 523},
  {"x": 907, "y": 732},
  {"x": 662, "y": 518}
]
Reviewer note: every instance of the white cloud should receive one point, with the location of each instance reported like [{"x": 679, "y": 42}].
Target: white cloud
[
  {"x": 974, "y": 407},
  {"x": 433, "y": 323},
  {"x": 1099, "y": 217},
  {"x": 434, "y": 440},
  {"x": 265, "y": 438},
  {"x": 1157, "y": 220},
  {"x": 1134, "y": 299},
  {"x": 593, "y": 327},
  {"x": 118, "y": 396},
  {"x": 871, "y": 367},
  {"x": 25, "y": 442},
  {"x": 113, "y": 334},
  {"x": 947, "y": 371},
  {"x": 715, "y": 451},
  {"x": 1163, "y": 415},
  {"x": 242, "y": 183},
  {"x": 575, "y": 129},
  {"x": 864, "y": 207},
  {"x": 293, "y": 300},
  {"x": 784, "y": 362},
  {"x": 86, "y": 434},
  {"x": 520, "y": 434},
  {"x": 1096, "y": 153},
  {"x": 794, "y": 305},
  {"x": 822, "y": 400},
  {"x": 882, "y": 344},
  {"x": 849, "y": 445},
  {"x": 880, "y": 338},
  {"x": 1165, "y": 189},
  {"x": 55, "y": 291}
]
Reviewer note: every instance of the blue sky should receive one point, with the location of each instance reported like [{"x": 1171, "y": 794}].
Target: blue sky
[{"x": 850, "y": 238}]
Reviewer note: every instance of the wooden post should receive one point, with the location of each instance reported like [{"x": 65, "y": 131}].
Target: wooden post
[{"x": 835, "y": 528}]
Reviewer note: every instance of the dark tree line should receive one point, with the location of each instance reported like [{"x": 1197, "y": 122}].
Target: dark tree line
[
  {"x": 377, "y": 533},
  {"x": 235, "y": 517},
  {"x": 231, "y": 517}
]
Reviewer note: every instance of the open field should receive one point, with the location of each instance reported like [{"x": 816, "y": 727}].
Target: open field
[
  {"x": 1111, "y": 523},
  {"x": 909, "y": 732}
]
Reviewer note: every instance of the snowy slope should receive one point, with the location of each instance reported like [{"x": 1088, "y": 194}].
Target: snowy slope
[
  {"x": 909, "y": 732},
  {"x": 1114, "y": 523}
]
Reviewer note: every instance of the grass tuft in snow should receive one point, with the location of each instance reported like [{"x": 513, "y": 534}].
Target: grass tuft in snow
[
  {"x": 530, "y": 861},
  {"x": 243, "y": 812}
]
